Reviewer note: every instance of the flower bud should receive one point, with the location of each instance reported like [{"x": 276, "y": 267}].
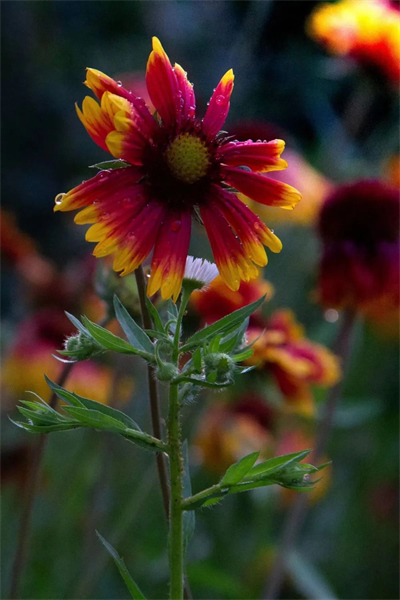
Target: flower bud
[
  {"x": 166, "y": 371},
  {"x": 220, "y": 363},
  {"x": 81, "y": 347}
]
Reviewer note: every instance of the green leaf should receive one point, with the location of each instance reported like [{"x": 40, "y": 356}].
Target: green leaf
[
  {"x": 133, "y": 588},
  {"x": 77, "y": 323},
  {"x": 135, "y": 334},
  {"x": 112, "y": 342},
  {"x": 154, "y": 315},
  {"x": 214, "y": 344},
  {"x": 37, "y": 417},
  {"x": 226, "y": 324},
  {"x": 235, "y": 339},
  {"x": 196, "y": 360},
  {"x": 244, "y": 355},
  {"x": 74, "y": 400},
  {"x": 236, "y": 472},
  {"x": 189, "y": 519},
  {"x": 46, "y": 428},
  {"x": 273, "y": 465},
  {"x": 94, "y": 418},
  {"x": 110, "y": 164}
]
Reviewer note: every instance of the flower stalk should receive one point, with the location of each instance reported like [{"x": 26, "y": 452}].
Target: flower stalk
[{"x": 176, "y": 469}]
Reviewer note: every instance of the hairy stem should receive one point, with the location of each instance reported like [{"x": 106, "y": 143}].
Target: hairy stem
[
  {"x": 176, "y": 512},
  {"x": 298, "y": 512}
]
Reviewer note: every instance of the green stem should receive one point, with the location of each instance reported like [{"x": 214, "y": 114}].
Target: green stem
[
  {"x": 176, "y": 512},
  {"x": 176, "y": 471},
  {"x": 188, "y": 502}
]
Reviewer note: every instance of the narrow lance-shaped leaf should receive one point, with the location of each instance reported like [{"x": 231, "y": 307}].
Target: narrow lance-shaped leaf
[
  {"x": 110, "y": 164},
  {"x": 226, "y": 324},
  {"x": 135, "y": 334},
  {"x": 133, "y": 588},
  {"x": 275, "y": 464},
  {"x": 112, "y": 342},
  {"x": 74, "y": 400},
  {"x": 236, "y": 472}
]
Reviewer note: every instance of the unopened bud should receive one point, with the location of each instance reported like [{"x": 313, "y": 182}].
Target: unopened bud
[
  {"x": 166, "y": 371},
  {"x": 220, "y": 363},
  {"x": 82, "y": 346}
]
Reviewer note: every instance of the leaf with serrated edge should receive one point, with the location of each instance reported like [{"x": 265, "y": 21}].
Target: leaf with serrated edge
[
  {"x": 236, "y": 472},
  {"x": 112, "y": 342},
  {"x": 133, "y": 588},
  {"x": 135, "y": 334}
]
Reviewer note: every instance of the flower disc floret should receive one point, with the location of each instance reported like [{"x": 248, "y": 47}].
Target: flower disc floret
[
  {"x": 188, "y": 158},
  {"x": 179, "y": 166}
]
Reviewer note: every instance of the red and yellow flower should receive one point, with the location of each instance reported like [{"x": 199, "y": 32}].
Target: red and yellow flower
[
  {"x": 176, "y": 166},
  {"x": 280, "y": 345},
  {"x": 359, "y": 229},
  {"x": 295, "y": 362},
  {"x": 368, "y": 30}
]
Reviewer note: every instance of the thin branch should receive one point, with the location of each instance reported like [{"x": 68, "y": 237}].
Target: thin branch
[{"x": 153, "y": 394}]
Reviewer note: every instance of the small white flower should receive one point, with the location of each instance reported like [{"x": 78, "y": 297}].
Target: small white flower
[{"x": 199, "y": 272}]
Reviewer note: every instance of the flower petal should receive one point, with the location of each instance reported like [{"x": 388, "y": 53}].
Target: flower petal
[
  {"x": 252, "y": 232},
  {"x": 162, "y": 84},
  {"x": 100, "y": 83},
  {"x": 187, "y": 97},
  {"x": 259, "y": 156},
  {"x": 104, "y": 185},
  {"x": 262, "y": 189},
  {"x": 229, "y": 255},
  {"x": 138, "y": 237},
  {"x": 169, "y": 259},
  {"x": 218, "y": 107}
]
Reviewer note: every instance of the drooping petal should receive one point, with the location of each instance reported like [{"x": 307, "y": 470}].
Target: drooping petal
[
  {"x": 170, "y": 253},
  {"x": 218, "y": 107},
  {"x": 229, "y": 254},
  {"x": 259, "y": 156},
  {"x": 104, "y": 185},
  {"x": 186, "y": 93},
  {"x": 100, "y": 83},
  {"x": 252, "y": 232},
  {"x": 261, "y": 188},
  {"x": 162, "y": 84}
]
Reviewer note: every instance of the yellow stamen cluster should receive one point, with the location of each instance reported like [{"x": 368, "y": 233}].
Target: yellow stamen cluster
[{"x": 188, "y": 158}]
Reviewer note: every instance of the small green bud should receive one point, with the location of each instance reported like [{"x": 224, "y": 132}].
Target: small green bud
[
  {"x": 295, "y": 475},
  {"x": 82, "y": 346},
  {"x": 166, "y": 371},
  {"x": 220, "y": 363}
]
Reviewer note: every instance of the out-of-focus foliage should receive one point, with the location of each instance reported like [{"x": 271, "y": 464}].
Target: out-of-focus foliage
[{"x": 340, "y": 121}]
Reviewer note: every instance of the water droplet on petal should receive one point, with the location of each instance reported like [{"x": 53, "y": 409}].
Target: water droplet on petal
[
  {"x": 59, "y": 198},
  {"x": 119, "y": 83},
  {"x": 176, "y": 225},
  {"x": 219, "y": 100}
]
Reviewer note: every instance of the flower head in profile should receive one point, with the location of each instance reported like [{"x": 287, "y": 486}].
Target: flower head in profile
[
  {"x": 368, "y": 30},
  {"x": 199, "y": 273},
  {"x": 175, "y": 166},
  {"x": 359, "y": 229}
]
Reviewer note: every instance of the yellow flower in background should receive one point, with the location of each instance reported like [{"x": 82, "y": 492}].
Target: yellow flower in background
[{"x": 368, "y": 30}]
